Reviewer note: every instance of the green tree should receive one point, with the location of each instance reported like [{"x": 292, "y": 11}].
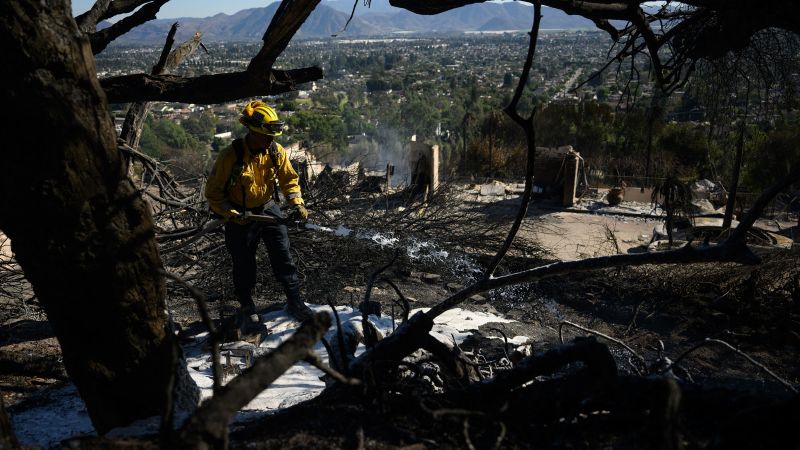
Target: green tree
[
  {"x": 319, "y": 127},
  {"x": 770, "y": 155},
  {"x": 687, "y": 144},
  {"x": 173, "y": 135},
  {"x": 150, "y": 144},
  {"x": 201, "y": 127}
]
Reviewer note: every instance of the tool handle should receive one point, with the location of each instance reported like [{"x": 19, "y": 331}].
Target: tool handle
[{"x": 262, "y": 218}]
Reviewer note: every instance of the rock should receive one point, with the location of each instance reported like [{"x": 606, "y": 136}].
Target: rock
[
  {"x": 494, "y": 188},
  {"x": 700, "y": 189},
  {"x": 708, "y": 190},
  {"x": 615, "y": 196},
  {"x": 515, "y": 189},
  {"x": 486, "y": 308},
  {"x": 477, "y": 298},
  {"x": 702, "y": 206},
  {"x": 431, "y": 278},
  {"x": 351, "y": 289},
  {"x": 453, "y": 286}
]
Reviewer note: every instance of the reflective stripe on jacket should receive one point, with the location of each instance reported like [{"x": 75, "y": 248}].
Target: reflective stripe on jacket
[{"x": 257, "y": 177}]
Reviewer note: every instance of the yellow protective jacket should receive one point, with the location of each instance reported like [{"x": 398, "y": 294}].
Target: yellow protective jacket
[{"x": 258, "y": 175}]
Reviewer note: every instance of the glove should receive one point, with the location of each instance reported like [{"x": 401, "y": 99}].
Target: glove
[
  {"x": 299, "y": 214},
  {"x": 235, "y": 216}
]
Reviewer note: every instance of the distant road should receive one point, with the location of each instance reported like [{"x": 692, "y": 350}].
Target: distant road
[{"x": 569, "y": 83}]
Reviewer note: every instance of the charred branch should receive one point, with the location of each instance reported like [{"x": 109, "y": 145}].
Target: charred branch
[
  {"x": 761, "y": 203},
  {"x": 87, "y": 22},
  {"x": 134, "y": 118},
  {"x": 209, "y": 424},
  {"x": 452, "y": 357},
  {"x": 530, "y": 138},
  {"x": 205, "y": 89},
  {"x": 598, "y": 364},
  {"x": 287, "y": 20},
  {"x": 408, "y": 337},
  {"x": 102, "y": 38},
  {"x": 118, "y": 7}
]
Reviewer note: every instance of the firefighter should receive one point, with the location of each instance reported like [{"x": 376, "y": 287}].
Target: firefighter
[{"x": 245, "y": 178}]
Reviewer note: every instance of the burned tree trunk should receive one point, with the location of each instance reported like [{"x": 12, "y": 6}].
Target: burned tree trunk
[{"x": 79, "y": 229}]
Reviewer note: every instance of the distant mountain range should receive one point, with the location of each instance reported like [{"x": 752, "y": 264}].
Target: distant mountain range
[{"x": 330, "y": 17}]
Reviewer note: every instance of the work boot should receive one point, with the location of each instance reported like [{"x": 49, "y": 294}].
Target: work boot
[
  {"x": 297, "y": 309},
  {"x": 249, "y": 322},
  {"x": 247, "y": 312},
  {"x": 247, "y": 306}
]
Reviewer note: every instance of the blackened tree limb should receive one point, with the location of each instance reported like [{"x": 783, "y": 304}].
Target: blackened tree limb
[
  {"x": 87, "y": 22},
  {"x": 205, "y": 89},
  {"x": 735, "y": 252},
  {"x": 530, "y": 138},
  {"x": 137, "y": 112},
  {"x": 209, "y": 424},
  {"x": 617, "y": 10},
  {"x": 287, "y": 20},
  {"x": 118, "y": 7},
  {"x": 761, "y": 203},
  {"x": 595, "y": 357},
  {"x": 102, "y": 38},
  {"x": 161, "y": 65},
  {"x": 430, "y": 8},
  {"x": 452, "y": 358},
  {"x": 215, "y": 336},
  {"x": 406, "y": 339}
]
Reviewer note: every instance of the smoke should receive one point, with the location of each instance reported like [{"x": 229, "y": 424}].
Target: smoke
[{"x": 374, "y": 152}]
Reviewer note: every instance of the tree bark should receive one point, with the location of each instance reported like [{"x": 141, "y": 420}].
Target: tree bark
[{"x": 80, "y": 231}]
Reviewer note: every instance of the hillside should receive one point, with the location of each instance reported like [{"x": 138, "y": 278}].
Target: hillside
[{"x": 329, "y": 19}]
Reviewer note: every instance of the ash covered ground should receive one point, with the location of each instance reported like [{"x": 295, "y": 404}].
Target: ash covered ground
[{"x": 649, "y": 316}]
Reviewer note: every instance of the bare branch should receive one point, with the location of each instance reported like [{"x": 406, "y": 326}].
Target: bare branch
[
  {"x": 214, "y": 335},
  {"x": 206, "y": 89},
  {"x": 102, "y": 38},
  {"x": 728, "y": 252},
  {"x": 763, "y": 200},
  {"x": 137, "y": 112},
  {"x": 287, "y": 20},
  {"x": 761, "y": 366},
  {"x": 604, "y": 336},
  {"x": 316, "y": 361},
  {"x": 594, "y": 355},
  {"x": 209, "y": 424},
  {"x": 530, "y": 137},
  {"x": 87, "y": 22},
  {"x": 161, "y": 65},
  {"x": 118, "y": 7}
]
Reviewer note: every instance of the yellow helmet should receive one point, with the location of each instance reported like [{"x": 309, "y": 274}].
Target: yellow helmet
[{"x": 260, "y": 118}]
